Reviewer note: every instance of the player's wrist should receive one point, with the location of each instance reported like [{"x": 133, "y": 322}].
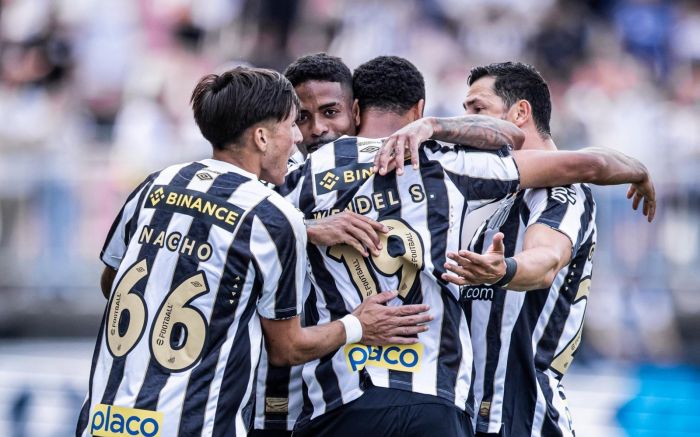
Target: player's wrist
[
  {"x": 511, "y": 270},
  {"x": 353, "y": 329}
]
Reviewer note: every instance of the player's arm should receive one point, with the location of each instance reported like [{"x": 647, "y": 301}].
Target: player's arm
[
  {"x": 595, "y": 165},
  {"x": 289, "y": 344},
  {"x": 479, "y": 131},
  {"x": 106, "y": 281},
  {"x": 545, "y": 252}
]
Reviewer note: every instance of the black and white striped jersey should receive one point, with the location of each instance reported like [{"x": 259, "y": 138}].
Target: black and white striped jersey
[
  {"x": 524, "y": 342},
  {"x": 201, "y": 251},
  {"x": 423, "y": 210}
]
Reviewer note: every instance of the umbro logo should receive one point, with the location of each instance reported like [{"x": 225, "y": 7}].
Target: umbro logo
[
  {"x": 157, "y": 196},
  {"x": 329, "y": 180},
  {"x": 369, "y": 149},
  {"x": 204, "y": 176}
]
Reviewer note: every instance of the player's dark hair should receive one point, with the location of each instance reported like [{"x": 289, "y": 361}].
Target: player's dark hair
[
  {"x": 321, "y": 67},
  {"x": 226, "y": 105},
  {"x": 388, "y": 83},
  {"x": 517, "y": 81}
]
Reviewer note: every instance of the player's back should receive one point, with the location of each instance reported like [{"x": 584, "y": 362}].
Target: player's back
[
  {"x": 196, "y": 250},
  {"x": 423, "y": 211}
]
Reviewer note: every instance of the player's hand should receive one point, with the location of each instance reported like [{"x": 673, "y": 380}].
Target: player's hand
[
  {"x": 402, "y": 143},
  {"x": 473, "y": 268},
  {"x": 347, "y": 227},
  {"x": 643, "y": 190},
  {"x": 382, "y": 325}
]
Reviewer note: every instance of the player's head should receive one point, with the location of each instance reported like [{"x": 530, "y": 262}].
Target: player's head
[
  {"x": 512, "y": 91},
  {"x": 328, "y": 110},
  {"x": 390, "y": 84},
  {"x": 250, "y": 114}
]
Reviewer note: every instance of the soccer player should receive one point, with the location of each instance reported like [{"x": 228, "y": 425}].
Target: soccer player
[
  {"x": 525, "y": 342},
  {"x": 422, "y": 389},
  {"x": 201, "y": 260}
]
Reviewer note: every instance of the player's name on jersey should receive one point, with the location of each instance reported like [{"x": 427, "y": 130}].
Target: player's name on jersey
[
  {"x": 175, "y": 242},
  {"x": 377, "y": 201},
  {"x": 210, "y": 209}
]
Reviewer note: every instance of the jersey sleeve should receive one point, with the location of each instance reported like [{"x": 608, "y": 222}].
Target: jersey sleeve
[
  {"x": 566, "y": 209},
  {"x": 482, "y": 176},
  {"x": 124, "y": 225},
  {"x": 278, "y": 244}
]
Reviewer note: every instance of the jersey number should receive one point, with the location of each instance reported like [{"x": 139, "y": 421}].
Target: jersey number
[
  {"x": 178, "y": 331},
  {"x": 401, "y": 255}
]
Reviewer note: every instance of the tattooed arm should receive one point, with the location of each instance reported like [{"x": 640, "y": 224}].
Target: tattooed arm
[{"x": 478, "y": 131}]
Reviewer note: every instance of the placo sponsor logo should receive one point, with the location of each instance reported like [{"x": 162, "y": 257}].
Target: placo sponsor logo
[
  {"x": 406, "y": 358},
  {"x": 112, "y": 421}
]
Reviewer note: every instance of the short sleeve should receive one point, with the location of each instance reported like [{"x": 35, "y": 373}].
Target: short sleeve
[
  {"x": 566, "y": 209},
  {"x": 278, "y": 244},
  {"x": 124, "y": 225}
]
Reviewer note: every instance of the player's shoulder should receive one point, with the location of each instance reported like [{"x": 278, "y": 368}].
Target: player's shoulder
[
  {"x": 573, "y": 194},
  {"x": 275, "y": 207}
]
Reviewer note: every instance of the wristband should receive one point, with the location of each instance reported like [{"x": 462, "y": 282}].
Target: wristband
[
  {"x": 511, "y": 268},
  {"x": 353, "y": 329}
]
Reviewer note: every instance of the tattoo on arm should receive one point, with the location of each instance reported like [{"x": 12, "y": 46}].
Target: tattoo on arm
[{"x": 476, "y": 131}]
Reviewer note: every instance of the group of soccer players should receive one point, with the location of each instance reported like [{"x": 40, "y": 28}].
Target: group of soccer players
[{"x": 351, "y": 267}]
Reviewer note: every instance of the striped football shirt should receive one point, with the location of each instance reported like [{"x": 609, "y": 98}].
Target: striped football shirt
[
  {"x": 201, "y": 250},
  {"x": 424, "y": 211},
  {"x": 524, "y": 342}
]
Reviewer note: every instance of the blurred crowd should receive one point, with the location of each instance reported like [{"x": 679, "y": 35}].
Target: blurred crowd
[{"x": 94, "y": 96}]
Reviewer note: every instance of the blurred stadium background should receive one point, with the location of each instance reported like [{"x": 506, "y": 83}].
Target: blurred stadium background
[{"x": 94, "y": 96}]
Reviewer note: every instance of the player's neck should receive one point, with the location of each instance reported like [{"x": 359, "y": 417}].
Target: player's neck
[
  {"x": 241, "y": 158},
  {"x": 380, "y": 124},
  {"x": 535, "y": 141}
]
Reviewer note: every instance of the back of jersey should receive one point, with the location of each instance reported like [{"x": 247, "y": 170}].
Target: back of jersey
[
  {"x": 423, "y": 211},
  {"x": 180, "y": 338}
]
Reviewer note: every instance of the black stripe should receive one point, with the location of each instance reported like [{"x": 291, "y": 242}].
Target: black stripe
[
  {"x": 276, "y": 386},
  {"x": 306, "y": 195},
  {"x": 335, "y": 305},
  {"x": 291, "y": 181},
  {"x": 554, "y": 210},
  {"x": 473, "y": 188},
  {"x": 234, "y": 382},
  {"x": 187, "y": 266},
  {"x": 586, "y": 216},
  {"x": 159, "y": 223}
]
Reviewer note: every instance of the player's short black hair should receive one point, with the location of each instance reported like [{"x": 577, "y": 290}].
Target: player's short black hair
[
  {"x": 319, "y": 66},
  {"x": 518, "y": 81},
  {"x": 389, "y": 83},
  {"x": 226, "y": 105}
]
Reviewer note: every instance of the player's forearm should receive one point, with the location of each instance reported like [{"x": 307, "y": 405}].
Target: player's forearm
[
  {"x": 615, "y": 168},
  {"x": 478, "y": 131},
  {"x": 537, "y": 269},
  {"x": 309, "y": 344}
]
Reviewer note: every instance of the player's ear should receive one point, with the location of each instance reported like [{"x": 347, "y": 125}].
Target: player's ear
[
  {"x": 520, "y": 113},
  {"x": 420, "y": 106},
  {"x": 261, "y": 137},
  {"x": 356, "y": 112}
]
